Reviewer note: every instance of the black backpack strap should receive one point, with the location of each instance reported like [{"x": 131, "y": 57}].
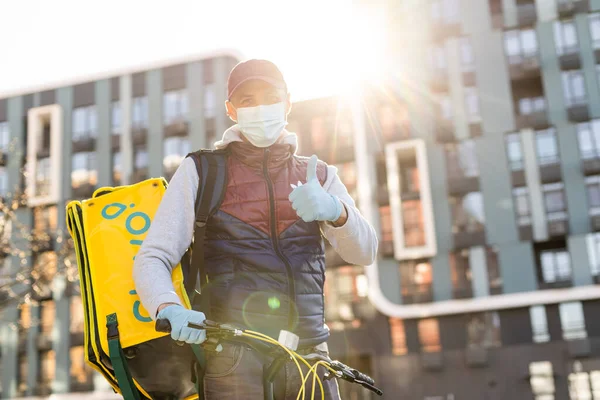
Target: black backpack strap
[{"x": 211, "y": 168}]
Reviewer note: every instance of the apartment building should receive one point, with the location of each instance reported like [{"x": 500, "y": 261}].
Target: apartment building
[
  {"x": 481, "y": 173},
  {"x": 71, "y": 139}
]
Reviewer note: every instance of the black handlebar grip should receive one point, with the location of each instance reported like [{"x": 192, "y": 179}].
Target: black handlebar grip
[
  {"x": 163, "y": 325},
  {"x": 363, "y": 377}
]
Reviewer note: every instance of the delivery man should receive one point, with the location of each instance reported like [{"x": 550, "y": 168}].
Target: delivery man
[{"x": 264, "y": 249}]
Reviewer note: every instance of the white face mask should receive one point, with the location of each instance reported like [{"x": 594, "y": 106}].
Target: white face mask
[{"x": 262, "y": 125}]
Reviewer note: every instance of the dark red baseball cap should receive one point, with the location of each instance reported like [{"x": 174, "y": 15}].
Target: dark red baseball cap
[{"x": 254, "y": 69}]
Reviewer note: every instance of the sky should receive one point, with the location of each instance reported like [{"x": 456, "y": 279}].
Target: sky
[{"x": 316, "y": 43}]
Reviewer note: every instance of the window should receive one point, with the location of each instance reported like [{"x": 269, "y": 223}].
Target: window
[
  {"x": 416, "y": 280},
  {"x": 472, "y": 105},
  {"x": 115, "y": 118},
  {"x": 45, "y": 219},
  {"x": 84, "y": 169},
  {"x": 519, "y": 44},
  {"x": 588, "y": 134},
  {"x": 542, "y": 380},
  {"x": 565, "y": 37},
  {"x": 395, "y": 122},
  {"x": 139, "y": 113},
  {"x": 438, "y": 58},
  {"x": 175, "y": 149},
  {"x": 467, "y": 213},
  {"x": 595, "y": 29},
  {"x": 539, "y": 324},
  {"x": 175, "y": 106},
  {"x": 210, "y": 101},
  {"x": 574, "y": 87},
  {"x": 584, "y": 385},
  {"x": 398, "y": 336},
  {"x": 493, "y": 271},
  {"x": 47, "y": 315},
  {"x": 467, "y": 58},
  {"x": 555, "y": 201},
  {"x": 347, "y": 174},
  {"x": 483, "y": 330},
  {"x": 412, "y": 219},
  {"x": 546, "y": 147},
  {"x": 76, "y": 318},
  {"x": 3, "y": 181},
  {"x": 429, "y": 335},
  {"x": 572, "y": 320},
  {"x": 522, "y": 206},
  {"x": 81, "y": 373},
  {"x": 85, "y": 123},
  {"x": 317, "y": 132},
  {"x": 467, "y": 158},
  {"x": 446, "y": 107},
  {"x": 117, "y": 168},
  {"x": 141, "y": 158},
  {"x": 531, "y": 105},
  {"x": 460, "y": 272},
  {"x": 345, "y": 288},
  {"x": 555, "y": 265},
  {"x": 593, "y": 248},
  {"x": 446, "y": 11},
  {"x": 514, "y": 151},
  {"x": 387, "y": 233},
  {"x": 4, "y": 136},
  {"x": 47, "y": 368},
  {"x": 42, "y": 177}
]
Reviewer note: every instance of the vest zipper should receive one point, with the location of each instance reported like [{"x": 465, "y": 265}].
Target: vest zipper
[{"x": 275, "y": 240}]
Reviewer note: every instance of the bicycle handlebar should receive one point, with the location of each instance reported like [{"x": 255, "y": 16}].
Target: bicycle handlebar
[{"x": 345, "y": 372}]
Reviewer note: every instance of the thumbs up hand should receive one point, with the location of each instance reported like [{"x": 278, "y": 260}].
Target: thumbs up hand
[{"x": 310, "y": 201}]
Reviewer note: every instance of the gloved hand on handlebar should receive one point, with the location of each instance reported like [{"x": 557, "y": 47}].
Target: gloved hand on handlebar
[{"x": 179, "y": 317}]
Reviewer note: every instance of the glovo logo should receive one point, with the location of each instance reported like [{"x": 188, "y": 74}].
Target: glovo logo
[{"x": 137, "y": 223}]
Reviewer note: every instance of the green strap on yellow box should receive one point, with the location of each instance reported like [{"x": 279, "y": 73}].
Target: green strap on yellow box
[{"x": 117, "y": 358}]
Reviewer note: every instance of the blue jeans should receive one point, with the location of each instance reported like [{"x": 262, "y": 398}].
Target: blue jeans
[{"x": 237, "y": 373}]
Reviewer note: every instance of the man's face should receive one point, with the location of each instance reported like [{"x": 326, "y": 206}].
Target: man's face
[{"x": 254, "y": 93}]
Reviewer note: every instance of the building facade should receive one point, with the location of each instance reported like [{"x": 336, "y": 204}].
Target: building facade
[{"x": 478, "y": 163}]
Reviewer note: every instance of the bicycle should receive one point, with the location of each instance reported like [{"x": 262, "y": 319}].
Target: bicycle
[{"x": 281, "y": 353}]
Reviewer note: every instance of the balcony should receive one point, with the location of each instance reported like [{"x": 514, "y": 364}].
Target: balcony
[
  {"x": 463, "y": 291},
  {"x": 139, "y": 136},
  {"x": 555, "y": 285},
  {"x": 535, "y": 120},
  {"x": 439, "y": 81},
  {"x": 579, "y": 347},
  {"x": 83, "y": 191},
  {"x": 76, "y": 339},
  {"x": 115, "y": 142},
  {"x": 558, "y": 224},
  {"x": 590, "y": 166},
  {"x": 465, "y": 239},
  {"x": 84, "y": 144},
  {"x": 550, "y": 171},
  {"x": 176, "y": 129},
  {"x": 469, "y": 78},
  {"x": 526, "y": 14},
  {"x": 44, "y": 341},
  {"x": 568, "y": 8},
  {"x": 42, "y": 242},
  {"x": 476, "y": 356},
  {"x": 525, "y": 233},
  {"x": 139, "y": 175},
  {"x": 433, "y": 361},
  {"x": 524, "y": 67},
  {"x": 570, "y": 60},
  {"x": 475, "y": 130},
  {"x": 416, "y": 294},
  {"x": 460, "y": 184},
  {"x": 444, "y": 131},
  {"x": 43, "y": 153},
  {"x": 442, "y": 30},
  {"x": 595, "y": 223},
  {"x": 578, "y": 110},
  {"x": 518, "y": 178}
]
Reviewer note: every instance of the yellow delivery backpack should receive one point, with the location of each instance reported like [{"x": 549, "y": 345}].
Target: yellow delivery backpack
[{"x": 119, "y": 337}]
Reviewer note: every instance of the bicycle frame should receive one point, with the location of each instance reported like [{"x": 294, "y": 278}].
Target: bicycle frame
[{"x": 216, "y": 332}]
